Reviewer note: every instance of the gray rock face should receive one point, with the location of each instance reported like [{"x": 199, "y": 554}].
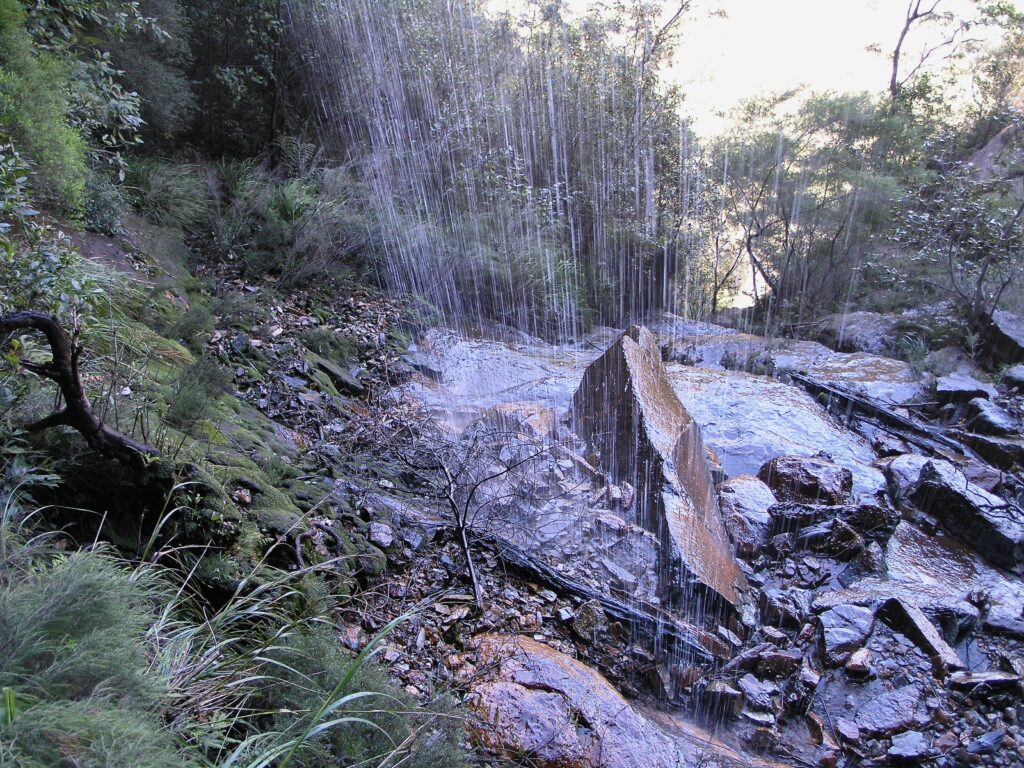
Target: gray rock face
[
  {"x": 1014, "y": 376},
  {"x": 844, "y": 629},
  {"x": 959, "y": 388},
  {"x": 976, "y": 517},
  {"x": 758, "y": 695},
  {"x": 626, "y": 410},
  {"x": 750, "y": 419},
  {"x": 804, "y": 479},
  {"x": 950, "y": 360},
  {"x": 542, "y": 704},
  {"x": 989, "y": 419},
  {"x": 857, "y": 332},
  {"x": 744, "y": 501},
  {"x": 1004, "y": 337},
  {"x": 891, "y": 712}
]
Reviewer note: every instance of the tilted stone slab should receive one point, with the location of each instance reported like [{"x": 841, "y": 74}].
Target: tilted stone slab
[{"x": 626, "y": 409}]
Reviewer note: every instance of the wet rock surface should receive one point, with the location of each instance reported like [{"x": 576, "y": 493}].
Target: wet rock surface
[
  {"x": 960, "y": 388},
  {"x": 626, "y": 409},
  {"x": 985, "y": 521},
  {"x": 1004, "y": 337},
  {"x": 556, "y": 712},
  {"x": 986, "y": 417},
  {"x": 872, "y": 639},
  {"x": 744, "y": 501},
  {"x": 858, "y": 332},
  {"x": 813, "y": 480}
]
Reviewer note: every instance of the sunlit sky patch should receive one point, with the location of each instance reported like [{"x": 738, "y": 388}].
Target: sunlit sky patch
[{"x": 734, "y": 49}]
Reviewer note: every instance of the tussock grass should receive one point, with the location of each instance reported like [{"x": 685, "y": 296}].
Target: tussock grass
[{"x": 105, "y": 663}]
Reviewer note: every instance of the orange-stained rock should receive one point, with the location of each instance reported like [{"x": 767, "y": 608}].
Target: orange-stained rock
[
  {"x": 627, "y": 410},
  {"x": 555, "y": 712}
]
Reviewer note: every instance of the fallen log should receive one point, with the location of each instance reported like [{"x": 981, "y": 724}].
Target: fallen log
[
  {"x": 660, "y": 630},
  {"x": 929, "y": 439},
  {"x": 77, "y": 412}
]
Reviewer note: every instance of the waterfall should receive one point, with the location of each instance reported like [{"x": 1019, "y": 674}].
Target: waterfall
[{"x": 523, "y": 170}]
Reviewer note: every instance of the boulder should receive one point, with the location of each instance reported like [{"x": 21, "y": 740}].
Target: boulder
[
  {"x": 1004, "y": 337},
  {"x": 757, "y": 694},
  {"x": 1014, "y": 376},
  {"x": 728, "y": 351},
  {"x": 744, "y": 501},
  {"x": 805, "y": 479},
  {"x": 626, "y": 410},
  {"x": 950, "y": 360},
  {"x": 875, "y": 521},
  {"x": 986, "y": 417},
  {"x": 959, "y": 388},
  {"x": 1003, "y": 451},
  {"x": 983, "y": 521},
  {"x": 542, "y": 707},
  {"x": 857, "y": 332},
  {"x": 903, "y": 472},
  {"x": 890, "y": 712},
  {"x": 843, "y": 630}
]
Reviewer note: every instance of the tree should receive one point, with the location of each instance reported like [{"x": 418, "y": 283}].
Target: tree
[
  {"x": 953, "y": 36},
  {"x": 803, "y": 190},
  {"x": 962, "y": 230}
]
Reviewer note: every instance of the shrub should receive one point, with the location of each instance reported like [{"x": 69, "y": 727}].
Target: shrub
[
  {"x": 103, "y": 204},
  {"x": 79, "y": 689},
  {"x": 171, "y": 194},
  {"x": 34, "y": 111},
  {"x": 199, "y": 384}
]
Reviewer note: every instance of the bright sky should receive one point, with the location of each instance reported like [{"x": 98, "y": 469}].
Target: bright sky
[{"x": 772, "y": 45}]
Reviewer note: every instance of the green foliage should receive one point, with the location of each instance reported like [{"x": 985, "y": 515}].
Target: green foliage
[
  {"x": 74, "y": 663},
  {"x": 199, "y": 384},
  {"x": 386, "y": 724},
  {"x": 104, "y": 203},
  {"x": 960, "y": 228},
  {"x": 235, "y": 51},
  {"x": 293, "y": 227},
  {"x": 171, "y": 194},
  {"x": 34, "y": 109}
]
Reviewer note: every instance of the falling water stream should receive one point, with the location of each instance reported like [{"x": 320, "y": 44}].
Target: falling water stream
[{"x": 509, "y": 168}]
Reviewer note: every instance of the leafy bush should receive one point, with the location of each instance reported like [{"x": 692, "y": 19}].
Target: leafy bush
[
  {"x": 34, "y": 109},
  {"x": 103, "y": 204}
]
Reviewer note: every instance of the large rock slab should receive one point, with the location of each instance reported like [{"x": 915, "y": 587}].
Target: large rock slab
[
  {"x": 1004, "y": 337},
  {"x": 750, "y": 419},
  {"x": 626, "y": 409},
  {"x": 959, "y": 388},
  {"x": 986, "y": 417},
  {"x": 890, "y": 712},
  {"x": 858, "y": 332},
  {"x": 549, "y": 710},
  {"x": 984, "y": 521}
]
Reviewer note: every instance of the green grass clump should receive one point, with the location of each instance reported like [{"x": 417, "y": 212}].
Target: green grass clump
[{"x": 75, "y": 672}]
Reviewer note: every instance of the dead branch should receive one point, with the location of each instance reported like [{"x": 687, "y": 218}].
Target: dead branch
[{"x": 77, "y": 413}]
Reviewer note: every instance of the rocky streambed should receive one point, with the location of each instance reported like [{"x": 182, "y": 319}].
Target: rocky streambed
[{"x": 760, "y": 574}]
